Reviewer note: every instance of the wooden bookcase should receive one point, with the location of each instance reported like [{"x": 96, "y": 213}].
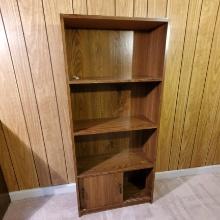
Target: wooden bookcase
[
  {"x": 4, "y": 196},
  {"x": 114, "y": 69}
]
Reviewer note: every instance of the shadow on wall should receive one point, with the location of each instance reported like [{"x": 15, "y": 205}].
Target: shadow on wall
[
  {"x": 23, "y": 161},
  {"x": 30, "y": 170}
]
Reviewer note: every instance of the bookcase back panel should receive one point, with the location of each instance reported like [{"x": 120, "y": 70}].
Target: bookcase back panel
[
  {"x": 108, "y": 143},
  {"x": 99, "y": 53},
  {"x": 101, "y": 144},
  {"x": 112, "y": 143},
  {"x": 94, "y": 54},
  {"x": 115, "y": 100},
  {"x": 100, "y": 101}
]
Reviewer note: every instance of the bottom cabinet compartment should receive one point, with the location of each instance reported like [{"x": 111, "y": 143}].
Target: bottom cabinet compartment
[
  {"x": 138, "y": 185},
  {"x": 100, "y": 191}
]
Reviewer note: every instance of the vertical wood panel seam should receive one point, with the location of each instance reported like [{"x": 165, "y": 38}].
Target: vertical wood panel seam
[
  {"x": 31, "y": 74},
  {"x": 133, "y": 3},
  {"x": 190, "y": 83},
  {"x": 178, "y": 87},
  {"x": 211, "y": 138},
  {"x": 72, "y": 6},
  {"x": 19, "y": 95},
  {"x": 209, "y": 147},
  {"x": 16, "y": 178},
  {"x": 54, "y": 85},
  {"x": 166, "y": 8},
  {"x": 204, "y": 83},
  {"x": 86, "y": 7},
  {"x": 133, "y": 7},
  {"x": 147, "y": 8}
]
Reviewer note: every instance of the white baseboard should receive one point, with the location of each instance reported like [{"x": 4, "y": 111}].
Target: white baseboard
[
  {"x": 45, "y": 191},
  {"x": 69, "y": 188},
  {"x": 187, "y": 172}
]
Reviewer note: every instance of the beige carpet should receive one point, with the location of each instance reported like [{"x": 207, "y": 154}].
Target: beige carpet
[{"x": 192, "y": 197}]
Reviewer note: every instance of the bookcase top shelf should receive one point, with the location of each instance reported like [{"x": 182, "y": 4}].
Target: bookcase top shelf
[
  {"x": 110, "y": 22},
  {"x": 97, "y": 80},
  {"x": 101, "y": 126},
  {"x": 133, "y": 159}
]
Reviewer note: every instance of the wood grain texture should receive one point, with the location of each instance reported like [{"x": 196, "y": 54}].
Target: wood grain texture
[
  {"x": 199, "y": 73},
  {"x": 152, "y": 46},
  {"x": 95, "y": 22},
  {"x": 101, "y": 7},
  {"x": 157, "y": 8},
  {"x": 98, "y": 145},
  {"x": 102, "y": 80},
  {"x": 112, "y": 108},
  {"x": 51, "y": 10},
  {"x": 100, "y": 191},
  {"x": 124, "y": 8},
  {"x": 99, "y": 53},
  {"x": 14, "y": 125},
  {"x": 177, "y": 13},
  {"x": 79, "y": 7},
  {"x": 208, "y": 120},
  {"x": 140, "y": 8},
  {"x": 108, "y": 125},
  {"x": 91, "y": 145},
  {"x": 214, "y": 153},
  {"x": 97, "y": 103},
  {"x": 185, "y": 78},
  {"x": 25, "y": 83},
  {"x": 40, "y": 124},
  {"x": 133, "y": 159},
  {"x": 33, "y": 22},
  {"x": 6, "y": 164}
]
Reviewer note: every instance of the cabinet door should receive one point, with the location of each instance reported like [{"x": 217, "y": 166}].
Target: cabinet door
[{"x": 99, "y": 191}]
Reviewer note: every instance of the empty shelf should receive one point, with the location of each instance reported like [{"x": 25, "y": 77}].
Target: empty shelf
[
  {"x": 132, "y": 159},
  {"x": 99, "y": 126},
  {"x": 114, "y": 80}
]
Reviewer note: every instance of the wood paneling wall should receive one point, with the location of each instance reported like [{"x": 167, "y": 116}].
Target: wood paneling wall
[{"x": 35, "y": 139}]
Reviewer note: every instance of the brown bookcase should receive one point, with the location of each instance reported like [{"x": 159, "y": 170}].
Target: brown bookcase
[
  {"x": 114, "y": 69},
  {"x": 4, "y": 196}
]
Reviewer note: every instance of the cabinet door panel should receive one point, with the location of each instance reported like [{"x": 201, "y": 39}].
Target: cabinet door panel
[{"x": 99, "y": 191}]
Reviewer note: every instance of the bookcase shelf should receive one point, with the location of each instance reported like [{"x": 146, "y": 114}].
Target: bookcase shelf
[
  {"x": 114, "y": 70},
  {"x": 99, "y": 126},
  {"x": 98, "y": 80},
  {"x": 110, "y": 163}
]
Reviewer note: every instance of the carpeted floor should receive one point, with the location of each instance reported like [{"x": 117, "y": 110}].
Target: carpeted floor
[{"x": 192, "y": 197}]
